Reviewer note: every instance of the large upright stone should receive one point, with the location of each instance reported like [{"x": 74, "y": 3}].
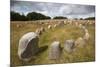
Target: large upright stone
[
  {"x": 54, "y": 50},
  {"x": 69, "y": 45},
  {"x": 28, "y": 46}
]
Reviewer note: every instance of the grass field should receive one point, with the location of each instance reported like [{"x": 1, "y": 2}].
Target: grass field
[{"x": 61, "y": 34}]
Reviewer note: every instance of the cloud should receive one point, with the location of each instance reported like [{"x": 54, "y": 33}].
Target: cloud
[{"x": 53, "y": 9}]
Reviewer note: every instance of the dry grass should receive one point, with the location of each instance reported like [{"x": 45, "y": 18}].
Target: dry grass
[{"x": 62, "y": 33}]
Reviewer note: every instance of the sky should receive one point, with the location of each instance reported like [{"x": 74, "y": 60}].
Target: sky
[{"x": 53, "y": 9}]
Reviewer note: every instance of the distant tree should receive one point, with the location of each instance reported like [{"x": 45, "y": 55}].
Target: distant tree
[
  {"x": 60, "y": 17},
  {"x": 47, "y": 17},
  {"x": 36, "y": 16},
  {"x": 75, "y": 18},
  {"x": 81, "y": 18},
  {"x": 23, "y": 18},
  {"x": 90, "y": 18},
  {"x": 15, "y": 16}
]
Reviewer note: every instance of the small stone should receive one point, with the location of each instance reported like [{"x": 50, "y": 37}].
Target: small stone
[
  {"x": 42, "y": 29},
  {"x": 86, "y": 36},
  {"x": 55, "y": 25},
  {"x": 80, "y": 42},
  {"x": 38, "y": 31},
  {"x": 49, "y": 26}
]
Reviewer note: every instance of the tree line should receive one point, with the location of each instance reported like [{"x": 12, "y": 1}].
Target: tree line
[
  {"x": 15, "y": 16},
  {"x": 90, "y": 18}
]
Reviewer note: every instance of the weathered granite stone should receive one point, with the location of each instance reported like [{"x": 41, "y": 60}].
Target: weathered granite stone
[
  {"x": 28, "y": 46},
  {"x": 54, "y": 50},
  {"x": 69, "y": 45}
]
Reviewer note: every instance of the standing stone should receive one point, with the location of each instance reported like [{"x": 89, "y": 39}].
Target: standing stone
[
  {"x": 86, "y": 30},
  {"x": 76, "y": 23},
  {"x": 65, "y": 22},
  {"x": 38, "y": 31},
  {"x": 80, "y": 25},
  {"x": 55, "y": 25},
  {"x": 28, "y": 46},
  {"x": 83, "y": 27},
  {"x": 18, "y": 25},
  {"x": 86, "y": 36},
  {"x": 69, "y": 45},
  {"x": 49, "y": 26},
  {"x": 80, "y": 42},
  {"x": 61, "y": 23},
  {"x": 54, "y": 50},
  {"x": 42, "y": 29}
]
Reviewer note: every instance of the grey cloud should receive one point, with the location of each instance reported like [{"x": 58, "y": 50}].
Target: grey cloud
[{"x": 53, "y": 9}]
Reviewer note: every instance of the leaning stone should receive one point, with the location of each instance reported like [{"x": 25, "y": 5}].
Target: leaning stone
[
  {"x": 28, "y": 46},
  {"x": 54, "y": 50},
  {"x": 69, "y": 45}
]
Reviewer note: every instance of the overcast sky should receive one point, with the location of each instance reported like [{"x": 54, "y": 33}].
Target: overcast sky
[{"x": 54, "y": 9}]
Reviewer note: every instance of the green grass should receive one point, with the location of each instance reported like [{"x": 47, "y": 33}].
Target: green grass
[{"x": 61, "y": 34}]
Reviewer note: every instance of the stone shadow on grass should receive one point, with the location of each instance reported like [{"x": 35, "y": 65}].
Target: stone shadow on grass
[{"x": 41, "y": 49}]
